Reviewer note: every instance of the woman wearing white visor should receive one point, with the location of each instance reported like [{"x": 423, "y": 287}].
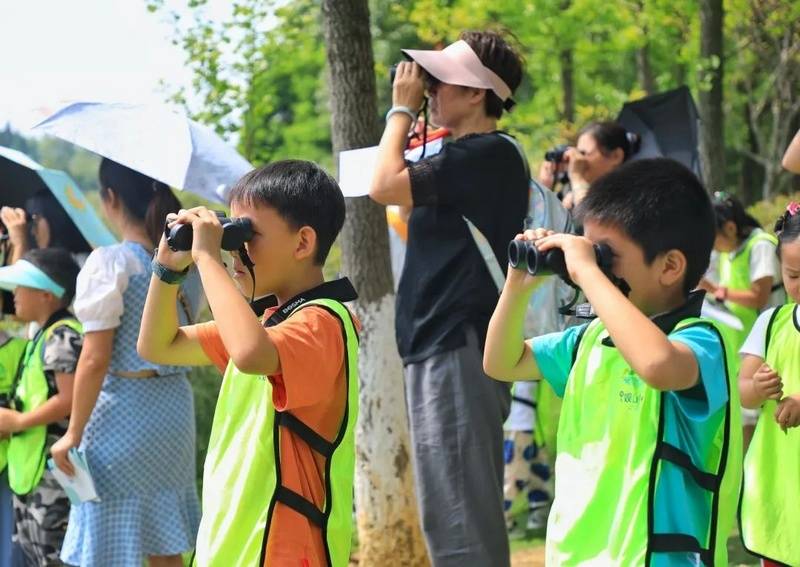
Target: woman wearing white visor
[{"x": 446, "y": 293}]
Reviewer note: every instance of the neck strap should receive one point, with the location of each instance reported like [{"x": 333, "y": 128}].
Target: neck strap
[{"x": 339, "y": 290}]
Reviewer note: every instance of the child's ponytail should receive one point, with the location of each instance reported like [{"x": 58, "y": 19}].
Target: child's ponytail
[
  {"x": 162, "y": 203},
  {"x": 729, "y": 208}
]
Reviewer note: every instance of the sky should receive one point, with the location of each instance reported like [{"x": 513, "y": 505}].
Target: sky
[{"x": 57, "y": 51}]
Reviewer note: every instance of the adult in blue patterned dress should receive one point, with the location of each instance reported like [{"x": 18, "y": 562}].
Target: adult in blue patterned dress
[{"x": 133, "y": 419}]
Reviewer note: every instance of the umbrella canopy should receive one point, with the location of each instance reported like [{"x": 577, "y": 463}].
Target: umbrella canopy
[
  {"x": 668, "y": 125},
  {"x": 155, "y": 140},
  {"x": 21, "y": 177}
]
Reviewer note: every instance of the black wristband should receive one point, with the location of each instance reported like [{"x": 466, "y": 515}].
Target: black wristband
[{"x": 167, "y": 275}]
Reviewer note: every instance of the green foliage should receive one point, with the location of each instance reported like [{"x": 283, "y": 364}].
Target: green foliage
[
  {"x": 56, "y": 154},
  {"x": 273, "y": 90},
  {"x": 768, "y": 211}
]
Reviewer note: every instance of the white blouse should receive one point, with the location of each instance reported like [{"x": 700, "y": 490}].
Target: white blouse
[{"x": 101, "y": 283}]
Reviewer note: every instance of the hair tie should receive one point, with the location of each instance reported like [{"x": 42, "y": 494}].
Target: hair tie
[{"x": 793, "y": 208}]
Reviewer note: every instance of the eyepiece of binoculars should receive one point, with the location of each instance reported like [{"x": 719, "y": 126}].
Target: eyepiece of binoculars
[{"x": 235, "y": 232}]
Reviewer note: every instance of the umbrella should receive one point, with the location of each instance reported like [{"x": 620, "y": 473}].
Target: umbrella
[
  {"x": 21, "y": 177},
  {"x": 155, "y": 140},
  {"x": 668, "y": 125}
]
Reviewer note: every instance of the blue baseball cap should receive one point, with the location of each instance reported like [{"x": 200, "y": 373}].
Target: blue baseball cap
[{"x": 26, "y": 274}]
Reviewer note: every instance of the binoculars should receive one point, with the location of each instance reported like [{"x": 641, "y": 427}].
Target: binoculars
[
  {"x": 235, "y": 232},
  {"x": 523, "y": 255}
]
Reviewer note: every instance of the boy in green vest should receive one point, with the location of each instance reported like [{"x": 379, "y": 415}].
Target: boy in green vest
[
  {"x": 648, "y": 464},
  {"x": 43, "y": 282},
  {"x": 278, "y": 478}
]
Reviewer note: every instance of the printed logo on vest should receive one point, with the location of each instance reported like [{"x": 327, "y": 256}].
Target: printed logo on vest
[{"x": 630, "y": 392}]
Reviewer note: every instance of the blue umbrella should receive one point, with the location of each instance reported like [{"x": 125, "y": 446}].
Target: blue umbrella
[
  {"x": 21, "y": 177},
  {"x": 156, "y": 140}
]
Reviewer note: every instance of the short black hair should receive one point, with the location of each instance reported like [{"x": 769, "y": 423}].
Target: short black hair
[
  {"x": 64, "y": 232},
  {"x": 496, "y": 52},
  {"x": 302, "y": 193},
  {"x": 59, "y": 265},
  {"x": 660, "y": 205}
]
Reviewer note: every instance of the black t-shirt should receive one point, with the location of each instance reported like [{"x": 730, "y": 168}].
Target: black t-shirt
[{"x": 445, "y": 285}]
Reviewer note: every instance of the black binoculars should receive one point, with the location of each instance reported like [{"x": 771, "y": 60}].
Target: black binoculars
[
  {"x": 235, "y": 232},
  {"x": 523, "y": 255}
]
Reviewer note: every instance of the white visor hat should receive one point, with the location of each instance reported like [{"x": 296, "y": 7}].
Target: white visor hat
[{"x": 458, "y": 64}]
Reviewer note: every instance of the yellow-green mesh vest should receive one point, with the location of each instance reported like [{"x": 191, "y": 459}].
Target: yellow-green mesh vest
[
  {"x": 770, "y": 508},
  {"x": 11, "y": 353},
  {"x": 734, "y": 273},
  {"x": 26, "y": 449},
  {"x": 612, "y": 452},
  {"x": 241, "y": 480}
]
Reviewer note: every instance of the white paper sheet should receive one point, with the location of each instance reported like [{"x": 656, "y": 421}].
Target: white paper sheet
[{"x": 79, "y": 488}]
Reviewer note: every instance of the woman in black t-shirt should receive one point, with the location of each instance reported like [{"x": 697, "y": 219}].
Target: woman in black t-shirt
[{"x": 446, "y": 294}]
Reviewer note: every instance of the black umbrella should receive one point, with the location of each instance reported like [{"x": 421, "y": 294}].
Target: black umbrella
[
  {"x": 17, "y": 182},
  {"x": 668, "y": 125}
]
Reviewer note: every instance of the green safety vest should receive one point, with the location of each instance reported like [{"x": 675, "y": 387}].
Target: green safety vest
[
  {"x": 241, "y": 480},
  {"x": 11, "y": 353},
  {"x": 734, "y": 273},
  {"x": 770, "y": 508},
  {"x": 27, "y": 449},
  {"x": 613, "y": 458}
]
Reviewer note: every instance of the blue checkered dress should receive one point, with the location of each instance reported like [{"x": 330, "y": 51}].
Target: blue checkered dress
[{"x": 140, "y": 446}]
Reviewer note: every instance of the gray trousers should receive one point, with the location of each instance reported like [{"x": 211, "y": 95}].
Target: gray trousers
[{"x": 456, "y": 416}]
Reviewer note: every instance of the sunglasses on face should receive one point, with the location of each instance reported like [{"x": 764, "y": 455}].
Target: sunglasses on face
[{"x": 431, "y": 82}]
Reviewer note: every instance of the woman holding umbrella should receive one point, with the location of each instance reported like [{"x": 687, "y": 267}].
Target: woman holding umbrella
[{"x": 134, "y": 420}]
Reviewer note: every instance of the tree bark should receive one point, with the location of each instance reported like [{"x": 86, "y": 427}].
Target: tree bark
[
  {"x": 566, "y": 61},
  {"x": 712, "y": 140},
  {"x": 644, "y": 70},
  {"x": 567, "y": 85},
  {"x": 386, "y": 509}
]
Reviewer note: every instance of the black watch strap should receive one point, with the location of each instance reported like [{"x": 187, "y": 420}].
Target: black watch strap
[{"x": 167, "y": 275}]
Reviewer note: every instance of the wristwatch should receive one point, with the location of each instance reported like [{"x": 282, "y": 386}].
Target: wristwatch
[{"x": 167, "y": 275}]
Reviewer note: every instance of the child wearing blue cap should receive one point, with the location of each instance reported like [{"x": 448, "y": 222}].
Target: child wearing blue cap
[{"x": 43, "y": 282}]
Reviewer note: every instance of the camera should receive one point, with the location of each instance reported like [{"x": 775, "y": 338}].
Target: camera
[
  {"x": 235, "y": 232},
  {"x": 523, "y": 255},
  {"x": 392, "y": 74},
  {"x": 556, "y": 155}
]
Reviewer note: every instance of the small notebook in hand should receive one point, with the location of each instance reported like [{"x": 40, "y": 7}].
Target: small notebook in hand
[{"x": 79, "y": 488}]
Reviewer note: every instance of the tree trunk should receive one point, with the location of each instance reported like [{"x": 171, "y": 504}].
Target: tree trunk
[
  {"x": 712, "y": 140},
  {"x": 386, "y": 509},
  {"x": 752, "y": 172},
  {"x": 644, "y": 70},
  {"x": 567, "y": 85},
  {"x": 565, "y": 58}
]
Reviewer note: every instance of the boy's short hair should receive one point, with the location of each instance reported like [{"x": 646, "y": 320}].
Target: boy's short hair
[
  {"x": 661, "y": 206},
  {"x": 302, "y": 193},
  {"x": 59, "y": 265}
]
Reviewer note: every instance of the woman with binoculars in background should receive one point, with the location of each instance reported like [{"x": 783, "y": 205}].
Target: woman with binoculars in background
[
  {"x": 601, "y": 148},
  {"x": 47, "y": 221},
  {"x": 446, "y": 294},
  {"x": 134, "y": 420}
]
